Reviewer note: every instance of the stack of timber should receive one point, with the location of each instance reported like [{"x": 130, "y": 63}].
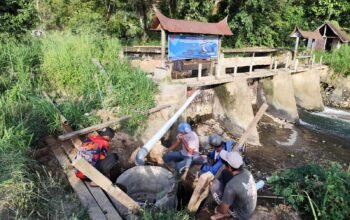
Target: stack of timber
[{"x": 93, "y": 199}]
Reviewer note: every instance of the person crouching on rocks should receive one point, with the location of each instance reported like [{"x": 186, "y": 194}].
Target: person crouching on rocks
[
  {"x": 189, "y": 142},
  {"x": 235, "y": 188},
  {"x": 217, "y": 142},
  {"x": 94, "y": 150}
]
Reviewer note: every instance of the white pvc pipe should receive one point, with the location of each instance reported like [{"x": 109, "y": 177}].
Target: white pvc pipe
[{"x": 142, "y": 153}]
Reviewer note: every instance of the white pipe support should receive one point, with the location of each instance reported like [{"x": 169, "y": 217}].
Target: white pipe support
[{"x": 142, "y": 153}]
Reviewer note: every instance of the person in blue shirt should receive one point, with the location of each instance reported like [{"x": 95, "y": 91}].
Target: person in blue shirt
[{"x": 219, "y": 144}]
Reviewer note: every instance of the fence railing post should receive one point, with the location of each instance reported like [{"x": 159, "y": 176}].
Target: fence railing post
[
  {"x": 199, "y": 72},
  {"x": 296, "y": 65},
  {"x": 275, "y": 66},
  {"x": 287, "y": 61}
]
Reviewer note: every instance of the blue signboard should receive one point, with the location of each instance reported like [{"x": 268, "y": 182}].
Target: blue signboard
[{"x": 181, "y": 47}]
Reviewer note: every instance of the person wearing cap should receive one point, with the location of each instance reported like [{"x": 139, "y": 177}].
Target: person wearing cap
[
  {"x": 189, "y": 142},
  {"x": 94, "y": 149},
  {"x": 237, "y": 191},
  {"x": 219, "y": 144}
]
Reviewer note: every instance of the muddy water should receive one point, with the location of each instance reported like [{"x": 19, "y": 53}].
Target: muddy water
[{"x": 285, "y": 145}]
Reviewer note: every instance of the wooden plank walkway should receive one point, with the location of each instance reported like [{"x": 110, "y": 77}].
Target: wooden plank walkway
[{"x": 94, "y": 199}]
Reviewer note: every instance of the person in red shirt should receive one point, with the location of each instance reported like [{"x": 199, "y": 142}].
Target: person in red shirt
[{"x": 94, "y": 150}]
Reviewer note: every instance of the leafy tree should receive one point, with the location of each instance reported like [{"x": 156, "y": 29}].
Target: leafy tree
[{"x": 16, "y": 16}]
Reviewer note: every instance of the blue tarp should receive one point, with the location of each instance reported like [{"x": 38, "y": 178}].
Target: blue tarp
[{"x": 181, "y": 47}]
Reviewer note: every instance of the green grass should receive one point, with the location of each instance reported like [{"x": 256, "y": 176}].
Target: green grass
[
  {"x": 316, "y": 191},
  {"x": 61, "y": 65},
  {"x": 80, "y": 86},
  {"x": 166, "y": 214},
  {"x": 338, "y": 60}
]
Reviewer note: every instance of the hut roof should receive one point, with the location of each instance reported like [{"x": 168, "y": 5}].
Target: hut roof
[
  {"x": 297, "y": 32},
  {"x": 195, "y": 27},
  {"x": 337, "y": 31}
]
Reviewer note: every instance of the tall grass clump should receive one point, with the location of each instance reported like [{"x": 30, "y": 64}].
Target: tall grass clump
[
  {"x": 338, "y": 60},
  {"x": 316, "y": 191},
  {"x": 24, "y": 118},
  {"x": 81, "y": 87}
]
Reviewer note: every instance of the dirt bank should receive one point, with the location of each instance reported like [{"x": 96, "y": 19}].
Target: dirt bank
[{"x": 335, "y": 91}]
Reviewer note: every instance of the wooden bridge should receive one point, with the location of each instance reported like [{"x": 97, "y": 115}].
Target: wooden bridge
[{"x": 247, "y": 63}]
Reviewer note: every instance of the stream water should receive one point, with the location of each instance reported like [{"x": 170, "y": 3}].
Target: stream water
[
  {"x": 333, "y": 121},
  {"x": 318, "y": 138}
]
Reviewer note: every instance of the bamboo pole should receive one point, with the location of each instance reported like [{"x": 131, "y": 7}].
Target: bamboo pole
[
  {"x": 105, "y": 124},
  {"x": 62, "y": 118},
  {"x": 245, "y": 135}
]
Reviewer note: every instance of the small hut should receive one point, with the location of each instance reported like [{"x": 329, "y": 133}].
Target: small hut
[
  {"x": 310, "y": 37},
  {"x": 333, "y": 36},
  {"x": 189, "y": 39}
]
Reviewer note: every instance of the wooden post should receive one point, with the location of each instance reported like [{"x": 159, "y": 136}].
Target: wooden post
[
  {"x": 296, "y": 65},
  {"x": 275, "y": 66},
  {"x": 105, "y": 124},
  {"x": 296, "y": 48},
  {"x": 200, "y": 192},
  {"x": 212, "y": 66},
  {"x": 250, "y": 127},
  {"x": 235, "y": 70},
  {"x": 220, "y": 57},
  {"x": 163, "y": 38},
  {"x": 251, "y": 63},
  {"x": 102, "y": 181},
  {"x": 321, "y": 60},
  {"x": 287, "y": 61},
  {"x": 272, "y": 62},
  {"x": 312, "y": 61},
  {"x": 220, "y": 67},
  {"x": 199, "y": 72}
]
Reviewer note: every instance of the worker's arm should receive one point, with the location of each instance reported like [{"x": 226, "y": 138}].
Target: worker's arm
[
  {"x": 174, "y": 145},
  {"x": 222, "y": 208},
  {"x": 212, "y": 168}
]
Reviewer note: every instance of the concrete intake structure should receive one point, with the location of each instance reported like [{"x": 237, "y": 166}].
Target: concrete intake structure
[
  {"x": 150, "y": 185},
  {"x": 232, "y": 107},
  {"x": 307, "y": 89},
  {"x": 278, "y": 93}
]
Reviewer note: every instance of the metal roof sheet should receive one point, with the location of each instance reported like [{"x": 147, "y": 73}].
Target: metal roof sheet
[
  {"x": 195, "y": 27},
  {"x": 297, "y": 32},
  {"x": 344, "y": 37}
]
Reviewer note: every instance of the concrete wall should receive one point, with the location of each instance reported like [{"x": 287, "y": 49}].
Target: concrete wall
[
  {"x": 307, "y": 89},
  {"x": 232, "y": 107},
  {"x": 172, "y": 94},
  {"x": 278, "y": 93},
  {"x": 202, "y": 105}
]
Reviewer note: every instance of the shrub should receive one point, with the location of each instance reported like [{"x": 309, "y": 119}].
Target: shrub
[
  {"x": 315, "y": 190},
  {"x": 338, "y": 60}
]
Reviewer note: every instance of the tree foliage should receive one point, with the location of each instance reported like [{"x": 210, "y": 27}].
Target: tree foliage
[
  {"x": 253, "y": 22},
  {"x": 16, "y": 16}
]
